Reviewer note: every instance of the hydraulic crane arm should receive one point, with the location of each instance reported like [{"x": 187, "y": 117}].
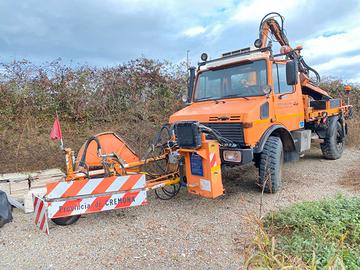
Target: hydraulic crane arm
[{"x": 269, "y": 25}]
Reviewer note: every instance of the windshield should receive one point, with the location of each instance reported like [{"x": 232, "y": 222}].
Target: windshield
[{"x": 243, "y": 80}]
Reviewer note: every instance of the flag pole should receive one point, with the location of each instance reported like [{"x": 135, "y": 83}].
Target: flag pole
[{"x": 61, "y": 139}]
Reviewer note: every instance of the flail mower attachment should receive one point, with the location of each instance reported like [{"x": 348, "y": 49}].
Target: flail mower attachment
[{"x": 107, "y": 174}]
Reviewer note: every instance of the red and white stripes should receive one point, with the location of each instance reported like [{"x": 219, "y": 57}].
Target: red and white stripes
[
  {"x": 213, "y": 161},
  {"x": 71, "y": 207},
  {"x": 40, "y": 210},
  {"x": 64, "y": 189},
  {"x": 70, "y": 198}
]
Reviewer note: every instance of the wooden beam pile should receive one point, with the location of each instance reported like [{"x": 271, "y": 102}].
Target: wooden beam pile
[{"x": 21, "y": 186}]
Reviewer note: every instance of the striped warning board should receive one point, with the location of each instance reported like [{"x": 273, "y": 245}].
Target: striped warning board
[
  {"x": 87, "y": 196},
  {"x": 65, "y": 189},
  {"x": 212, "y": 159},
  {"x": 40, "y": 210},
  {"x": 214, "y": 156},
  {"x": 94, "y": 204}
]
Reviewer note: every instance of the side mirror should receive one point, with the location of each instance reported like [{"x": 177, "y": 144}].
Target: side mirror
[
  {"x": 190, "y": 84},
  {"x": 292, "y": 72}
]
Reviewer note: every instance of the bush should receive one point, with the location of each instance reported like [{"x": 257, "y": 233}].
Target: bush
[
  {"x": 134, "y": 99},
  {"x": 311, "y": 235}
]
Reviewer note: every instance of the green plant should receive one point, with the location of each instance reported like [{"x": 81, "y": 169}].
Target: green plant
[{"x": 317, "y": 235}]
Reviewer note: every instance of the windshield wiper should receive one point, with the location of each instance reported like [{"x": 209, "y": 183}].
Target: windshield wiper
[
  {"x": 207, "y": 98},
  {"x": 235, "y": 96}
]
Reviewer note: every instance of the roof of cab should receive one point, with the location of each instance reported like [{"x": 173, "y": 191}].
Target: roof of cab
[{"x": 226, "y": 60}]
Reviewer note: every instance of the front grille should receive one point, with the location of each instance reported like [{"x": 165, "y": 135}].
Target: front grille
[{"x": 231, "y": 131}]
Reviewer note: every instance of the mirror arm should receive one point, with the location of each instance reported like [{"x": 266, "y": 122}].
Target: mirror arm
[
  {"x": 191, "y": 84},
  {"x": 285, "y": 94}
]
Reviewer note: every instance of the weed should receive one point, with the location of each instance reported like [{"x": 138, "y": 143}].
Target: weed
[{"x": 311, "y": 235}]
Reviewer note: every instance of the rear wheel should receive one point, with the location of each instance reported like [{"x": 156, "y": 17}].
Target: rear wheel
[
  {"x": 333, "y": 145},
  {"x": 270, "y": 167},
  {"x": 64, "y": 221}
]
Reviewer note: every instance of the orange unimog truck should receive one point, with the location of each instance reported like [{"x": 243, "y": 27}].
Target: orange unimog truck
[{"x": 265, "y": 105}]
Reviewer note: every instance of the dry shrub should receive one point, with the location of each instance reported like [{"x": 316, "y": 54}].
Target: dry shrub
[
  {"x": 133, "y": 99},
  {"x": 353, "y": 137}
]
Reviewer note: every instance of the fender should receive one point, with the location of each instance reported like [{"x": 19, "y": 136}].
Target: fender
[{"x": 279, "y": 131}]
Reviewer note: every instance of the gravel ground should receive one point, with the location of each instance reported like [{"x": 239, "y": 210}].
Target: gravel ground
[{"x": 187, "y": 232}]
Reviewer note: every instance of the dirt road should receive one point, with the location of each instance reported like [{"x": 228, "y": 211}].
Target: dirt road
[{"x": 185, "y": 233}]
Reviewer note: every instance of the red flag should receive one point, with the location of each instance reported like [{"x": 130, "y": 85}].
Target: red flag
[{"x": 56, "y": 130}]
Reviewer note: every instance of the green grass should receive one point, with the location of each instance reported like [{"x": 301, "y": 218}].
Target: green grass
[{"x": 321, "y": 233}]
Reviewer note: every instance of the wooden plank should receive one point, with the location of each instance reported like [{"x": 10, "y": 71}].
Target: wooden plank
[
  {"x": 19, "y": 177},
  {"x": 5, "y": 186},
  {"x": 46, "y": 176},
  {"x": 43, "y": 182},
  {"x": 28, "y": 200},
  {"x": 13, "y": 177},
  {"x": 19, "y": 187}
]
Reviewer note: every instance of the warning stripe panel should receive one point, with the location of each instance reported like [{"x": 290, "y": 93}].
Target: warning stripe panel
[
  {"x": 104, "y": 185},
  {"x": 73, "y": 207},
  {"x": 65, "y": 189},
  {"x": 212, "y": 159},
  {"x": 75, "y": 188},
  {"x": 97, "y": 202},
  {"x": 40, "y": 209}
]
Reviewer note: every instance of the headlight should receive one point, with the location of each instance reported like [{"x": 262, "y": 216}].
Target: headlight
[{"x": 232, "y": 156}]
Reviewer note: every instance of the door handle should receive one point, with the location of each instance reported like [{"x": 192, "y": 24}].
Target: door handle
[{"x": 296, "y": 103}]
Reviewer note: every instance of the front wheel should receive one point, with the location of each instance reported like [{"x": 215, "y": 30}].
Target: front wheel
[
  {"x": 64, "y": 221},
  {"x": 270, "y": 169},
  {"x": 333, "y": 145}
]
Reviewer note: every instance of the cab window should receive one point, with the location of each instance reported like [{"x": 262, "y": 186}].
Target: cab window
[
  {"x": 279, "y": 79},
  {"x": 210, "y": 85},
  {"x": 243, "y": 80}
]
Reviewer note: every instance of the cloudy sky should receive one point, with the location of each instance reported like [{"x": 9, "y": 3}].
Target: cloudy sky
[{"x": 109, "y": 32}]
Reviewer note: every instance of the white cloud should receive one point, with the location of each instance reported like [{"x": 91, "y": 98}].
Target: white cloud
[
  {"x": 194, "y": 31},
  {"x": 338, "y": 62},
  {"x": 165, "y": 29},
  {"x": 253, "y": 11},
  {"x": 333, "y": 45}
]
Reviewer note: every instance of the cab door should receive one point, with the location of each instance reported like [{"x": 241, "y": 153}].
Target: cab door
[{"x": 288, "y": 103}]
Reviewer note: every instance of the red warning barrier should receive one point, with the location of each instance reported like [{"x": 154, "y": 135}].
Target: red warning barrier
[{"x": 40, "y": 209}]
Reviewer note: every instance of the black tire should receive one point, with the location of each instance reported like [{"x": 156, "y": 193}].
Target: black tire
[
  {"x": 64, "y": 221},
  {"x": 271, "y": 161},
  {"x": 333, "y": 145}
]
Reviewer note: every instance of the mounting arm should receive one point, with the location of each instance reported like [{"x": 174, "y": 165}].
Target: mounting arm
[{"x": 270, "y": 26}]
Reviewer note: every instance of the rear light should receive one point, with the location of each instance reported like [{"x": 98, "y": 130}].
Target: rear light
[{"x": 232, "y": 155}]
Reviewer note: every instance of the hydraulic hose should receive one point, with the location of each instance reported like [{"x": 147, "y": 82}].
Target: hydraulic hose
[
  {"x": 82, "y": 162},
  {"x": 217, "y": 135},
  {"x": 306, "y": 69}
]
